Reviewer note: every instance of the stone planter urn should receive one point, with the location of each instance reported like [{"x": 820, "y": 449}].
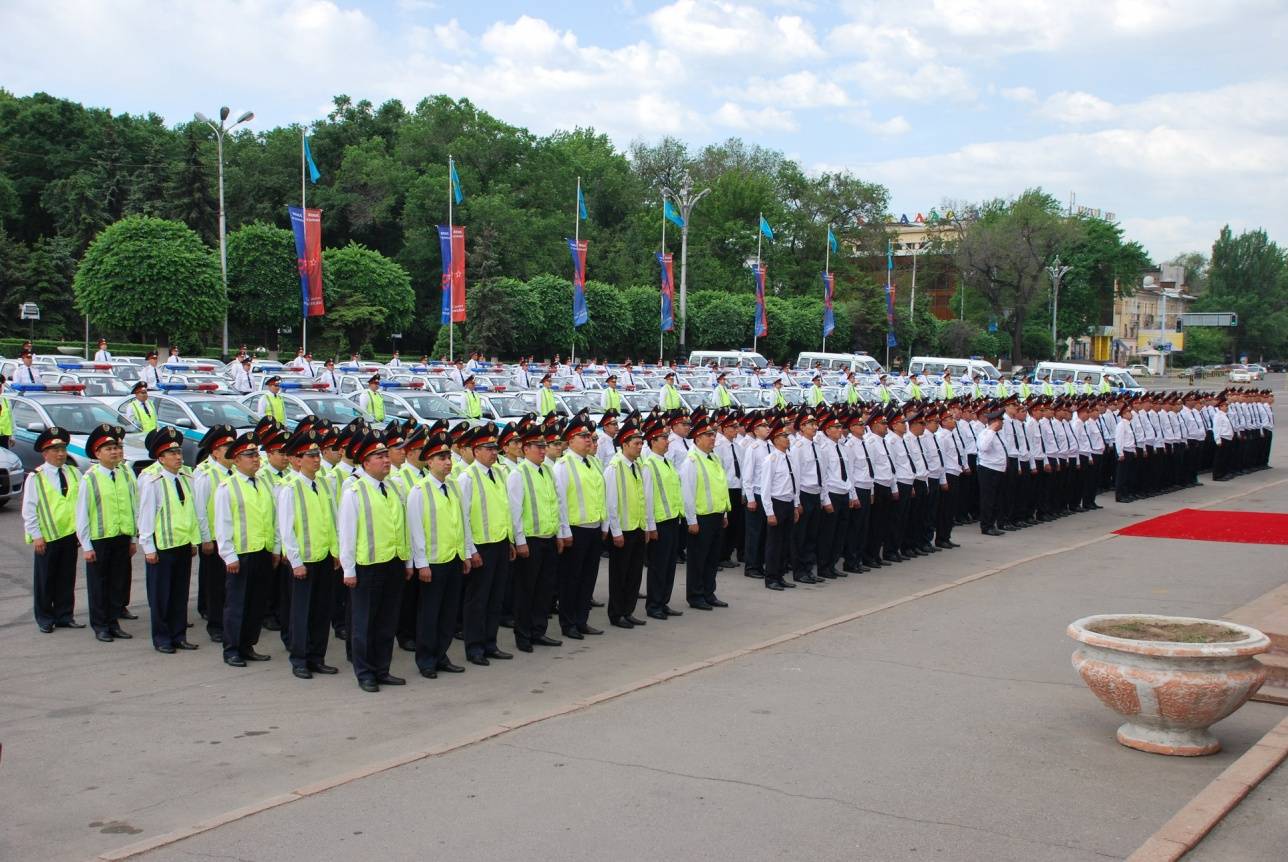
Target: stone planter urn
[{"x": 1169, "y": 690}]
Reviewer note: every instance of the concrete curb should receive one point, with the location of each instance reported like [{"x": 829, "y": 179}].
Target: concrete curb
[
  {"x": 1187, "y": 827},
  {"x": 314, "y": 788}
]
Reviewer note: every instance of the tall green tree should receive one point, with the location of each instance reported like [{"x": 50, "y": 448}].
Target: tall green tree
[
  {"x": 365, "y": 293},
  {"x": 263, "y": 277},
  {"x": 1249, "y": 276}
]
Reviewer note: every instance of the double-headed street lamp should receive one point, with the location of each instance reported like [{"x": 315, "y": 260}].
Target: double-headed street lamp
[
  {"x": 686, "y": 200},
  {"x": 1057, "y": 272},
  {"x": 219, "y": 131}
]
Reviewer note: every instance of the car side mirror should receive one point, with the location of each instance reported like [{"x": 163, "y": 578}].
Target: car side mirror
[
  {"x": 184, "y": 422},
  {"x": 36, "y": 426}
]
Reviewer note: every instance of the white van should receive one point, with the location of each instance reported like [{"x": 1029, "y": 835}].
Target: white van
[
  {"x": 859, "y": 362},
  {"x": 934, "y": 366},
  {"x": 1118, "y": 379},
  {"x": 728, "y": 358}
]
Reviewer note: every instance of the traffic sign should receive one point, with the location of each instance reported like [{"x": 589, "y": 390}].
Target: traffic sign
[
  {"x": 1210, "y": 318},
  {"x": 29, "y": 311}
]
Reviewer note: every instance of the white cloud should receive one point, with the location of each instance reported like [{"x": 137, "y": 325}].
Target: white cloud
[
  {"x": 736, "y": 116},
  {"x": 527, "y": 39},
  {"x": 1023, "y": 95},
  {"x": 1077, "y": 108},
  {"x": 714, "y": 29},
  {"x": 798, "y": 89},
  {"x": 897, "y": 63}
]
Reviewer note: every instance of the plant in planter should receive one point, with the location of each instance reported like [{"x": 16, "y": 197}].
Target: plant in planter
[{"x": 1171, "y": 677}]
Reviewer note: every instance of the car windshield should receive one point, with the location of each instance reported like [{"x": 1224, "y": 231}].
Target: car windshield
[
  {"x": 221, "y": 411},
  {"x": 104, "y": 385},
  {"x": 513, "y": 405},
  {"x": 337, "y": 410},
  {"x": 577, "y": 401},
  {"x": 81, "y": 417},
  {"x": 431, "y": 406},
  {"x": 989, "y": 371},
  {"x": 440, "y": 383}
]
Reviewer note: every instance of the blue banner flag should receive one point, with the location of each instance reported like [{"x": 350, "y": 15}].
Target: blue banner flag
[
  {"x": 671, "y": 215},
  {"x": 445, "y": 246},
  {"x": 581, "y": 205},
  {"x": 889, "y": 255},
  {"x": 668, "y": 292},
  {"x": 314, "y": 173},
  {"x": 831, "y": 241},
  {"x": 762, "y": 317},
  {"x": 580, "y": 313},
  {"x": 829, "y": 318},
  {"x": 766, "y": 229},
  {"x": 456, "y": 180}
]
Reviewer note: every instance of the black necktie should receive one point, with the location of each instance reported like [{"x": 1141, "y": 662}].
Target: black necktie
[
  {"x": 315, "y": 485},
  {"x": 442, "y": 488},
  {"x": 539, "y": 473},
  {"x": 634, "y": 474},
  {"x": 111, "y": 474},
  {"x": 62, "y": 481},
  {"x": 585, "y": 460},
  {"x": 818, "y": 468},
  {"x": 737, "y": 468},
  {"x": 845, "y": 474},
  {"x": 385, "y": 493},
  {"x": 490, "y": 476},
  {"x": 178, "y": 489},
  {"x": 251, "y": 479},
  {"x": 791, "y": 474}
]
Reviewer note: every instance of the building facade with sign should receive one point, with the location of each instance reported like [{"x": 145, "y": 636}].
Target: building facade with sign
[{"x": 1147, "y": 322}]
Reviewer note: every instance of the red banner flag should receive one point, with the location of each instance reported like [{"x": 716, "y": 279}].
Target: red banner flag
[{"x": 307, "y": 226}]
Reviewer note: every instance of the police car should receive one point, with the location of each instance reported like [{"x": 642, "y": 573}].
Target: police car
[
  {"x": 300, "y": 400},
  {"x": 192, "y": 408},
  {"x": 11, "y": 477},
  {"x": 410, "y": 400},
  {"x": 40, "y": 406},
  {"x": 97, "y": 377}
]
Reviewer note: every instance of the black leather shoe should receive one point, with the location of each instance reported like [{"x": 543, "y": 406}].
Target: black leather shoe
[
  {"x": 165, "y": 648},
  {"x": 127, "y": 614},
  {"x": 479, "y": 660},
  {"x": 234, "y": 661},
  {"x": 216, "y": 637},
  {"x": 701, "y": 606},
  {"x": 46, "y": 627},
  {"x": 185, "y": 645},
  {"x": 390, "y": 679},
  {"x": 672, "y": 612},
  {"x": 506, "y": 622},
  {"x": 572, "y": 634},
  {"x": 854, "y": 569},
  {"x": 774, "y": 585},
  {"x": 657, "y": 615},
  {"x": 407, "y": 644},
  {"x": 546, "y": 640},
  {"x": 943, "y": 546},
  {"x": 635, "y": 621},
  {"x": 369, "y": 685},
  {"x": 120, "y": 635},
  {"x": 272, "y": 625},
  {"x": 596, "y": 604},
  {"x": 806, "y": 579},
  {"x": 787, "y": 584},
  {"x": 70, "y": 624},
  {"x": 757, "y": 575},
  {"x": 251, "y": 655},
  {"x": 590, "y": 630},
  {"x": 498, "y": 654},
  {"x": 429, "y": 674},
  {"x": 105, "y": 637},
  {"x": 302, "y": 672},
  {"x": 522, "y": 646},
  {"x": 716, "y": 603},
  {"x": 621, "y": 623},
  {"x": 323, "y": 668},
  {"x": 446, "y": 666},
  {"x": 994, "y": 532},
  {"x": 892, "y": 558},
  {"x": 342, "y": 633}
]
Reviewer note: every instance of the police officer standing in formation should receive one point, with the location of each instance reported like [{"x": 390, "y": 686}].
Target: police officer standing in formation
[
  {"x": 169, "y": 535},
  {"x": 706, "y": 512},
  {"x": 106, "y": 514},
  {"x": 487, "y": 527},
  {"x": 49, "y": 498},
  {"x": 582, "y": 522},
  {"x": 436, "y": 522},
  {"x": 628, "y": 503},
  {"x": 247, "y": 541}
]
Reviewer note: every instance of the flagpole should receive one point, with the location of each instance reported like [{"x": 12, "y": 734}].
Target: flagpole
[
  {"x": 304, "y": 208},
  {"x": 661, "y": 298},
  {"x": 889, "y": 298},
  {"x": 827, "y": 270},
  {"x": 760, "y": 236},
  {"x": 451, "y": 299},
  {"x": 576, "y": 241}
]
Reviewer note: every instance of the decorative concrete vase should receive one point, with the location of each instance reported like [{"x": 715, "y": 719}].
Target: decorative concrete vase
[{"x": 1170, "y": 692}]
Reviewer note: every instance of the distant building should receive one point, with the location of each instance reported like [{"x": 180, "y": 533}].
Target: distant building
[
  {"x": 1146, "y": 323},
  {"x": 936, "y": 277}
]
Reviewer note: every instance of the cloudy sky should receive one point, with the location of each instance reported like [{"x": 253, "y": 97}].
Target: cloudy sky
[{"x": 1173, "y": 114}]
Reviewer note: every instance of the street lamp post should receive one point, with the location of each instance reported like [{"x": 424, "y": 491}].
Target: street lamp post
[
  {"x": 686, "y": 200},
  {"x": 1057, "y": 272},
  {"x": 219, "y": 131},
  {"x": 1163, "y": 295}
]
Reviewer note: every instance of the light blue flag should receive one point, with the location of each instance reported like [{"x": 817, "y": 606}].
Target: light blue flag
[
  {"x": 831, "y": 241},
  {"x": 581, "y": 205},
  {"x": 314, "y": 173},
  {"x": 456, "y": 181},
  {"x": 671, "y": 215},
  {"x": 766, "y": 229}
]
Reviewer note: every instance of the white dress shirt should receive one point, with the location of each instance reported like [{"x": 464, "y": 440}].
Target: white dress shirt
[
  {"x": 778, "y": 482},
  {"x": 807, "y": 464},
  {"x": 612, "y": 505},
  {"x": 732, "y": 455},
  {"x": 151, "y": 497},
  {"x": 991, "y": 451}
]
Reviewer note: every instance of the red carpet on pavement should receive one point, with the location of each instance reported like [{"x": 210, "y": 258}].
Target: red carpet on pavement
[{"x": 1205, "y": 525}]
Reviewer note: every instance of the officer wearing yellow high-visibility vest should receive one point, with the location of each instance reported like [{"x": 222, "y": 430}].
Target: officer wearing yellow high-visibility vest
[
  {"x": 883, "y": 389},
  {"x": 376, "y": 557},
  {"x": 207, "y": 477},
  {"x": 142, "y": 411},
  {"x": 246, "y": 537},
  {"x": 271, "y": 404},
  {"x": 720, "y": 396},
  {"x": 670, "y": 397},
  {"x": 545, "y": 397},
  {"x": 274, "y": 469},
  {"x": 473, "y": 405},
  {"x": 850, "y": 392},
  {"x": 371, "y": 400},
  {"x": 306, "y": 526},
  {"x": 706, "y": 505},
  {"x": 435, "y": 522},
  {"x": 816, "y": 395},
  {"x": 169, "y": 535},
  {"x": 6, "y": 419},
  {"x": 49, "y": 497},
  {"x": 668, "y": 508},
  {"x": 776, "y": 396},
  {"x": 582, "y": 525},
  {"x": 106, "y": 507},
  {"x": 610, "y": 399},
  {"x": 947, "y": 391},
  {"x": 486, "y": 507},
  {"x": 628, "y": 504},
  {"x": 534, "y": 523}
]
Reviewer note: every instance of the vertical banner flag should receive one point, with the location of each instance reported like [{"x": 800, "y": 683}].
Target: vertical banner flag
[
  {"x": 580, "y": 314},
  {"x": 314, "y": 173},
  {"x": 766, "y": 229},
  {"x": 762, "y": 318},
  {"x": 307, "y": 225},
  {"x": 668, "y": 292},
  {"x": 451, "y": 243},
  {"x": 671, "y": 215},
  {"x": 890, "y": 339},
  {"x": 581, "y": 205},
  {"x": 829, "y": 319},
  {"x": 831, "y": 241}
]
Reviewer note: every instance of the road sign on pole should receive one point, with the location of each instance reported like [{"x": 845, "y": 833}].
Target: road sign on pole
[
  {"x": 29, "y": 311},
  {"x": 1210, "y": 318}
]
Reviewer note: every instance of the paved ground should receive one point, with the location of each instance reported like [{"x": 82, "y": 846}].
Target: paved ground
[
  {"x": 952, "y": 725},
  {"x": 1257, "y": 830}
]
